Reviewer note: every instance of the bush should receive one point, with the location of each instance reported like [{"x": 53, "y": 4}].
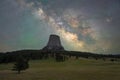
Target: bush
[{"x": 20, "y": 64}]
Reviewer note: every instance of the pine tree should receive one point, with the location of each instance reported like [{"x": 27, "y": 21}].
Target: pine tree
[{"x": 20, "y": 64}]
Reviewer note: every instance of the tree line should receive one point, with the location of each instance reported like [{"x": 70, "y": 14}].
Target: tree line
[{"x": 57, "y": 55}]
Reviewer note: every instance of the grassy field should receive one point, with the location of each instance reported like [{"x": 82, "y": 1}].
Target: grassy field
[{"x": 82, "y": 69}]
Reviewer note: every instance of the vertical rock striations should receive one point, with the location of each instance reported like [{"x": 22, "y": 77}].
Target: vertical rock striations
[{"x": 54, "y": 44}]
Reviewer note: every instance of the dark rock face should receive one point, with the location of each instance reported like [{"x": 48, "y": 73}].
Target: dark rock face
[{"x": 54, "y": 44}]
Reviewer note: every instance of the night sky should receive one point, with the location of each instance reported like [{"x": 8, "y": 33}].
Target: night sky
[{"x": 83, "y": 25}]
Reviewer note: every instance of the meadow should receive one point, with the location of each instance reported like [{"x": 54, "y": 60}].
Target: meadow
[{"x": 72, "y": 69}]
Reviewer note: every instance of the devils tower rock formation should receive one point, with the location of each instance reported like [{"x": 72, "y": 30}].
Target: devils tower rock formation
[{"x": 54, "y": 44}]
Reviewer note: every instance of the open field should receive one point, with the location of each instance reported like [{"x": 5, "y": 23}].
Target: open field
[{"x": 82, "y": 69}]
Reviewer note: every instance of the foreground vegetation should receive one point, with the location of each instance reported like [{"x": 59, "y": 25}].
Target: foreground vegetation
[{"x": 72, "y": 69}]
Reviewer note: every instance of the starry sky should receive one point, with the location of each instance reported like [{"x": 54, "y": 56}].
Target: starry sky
[{"x": 83, "y": 25}]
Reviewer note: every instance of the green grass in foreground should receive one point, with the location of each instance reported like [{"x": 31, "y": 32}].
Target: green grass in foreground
[{"x": 82, "y": 69}]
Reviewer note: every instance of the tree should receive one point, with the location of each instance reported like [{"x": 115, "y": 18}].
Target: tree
[
  {"x": 20, "y": 64},
  {"x": 60, "y": 58}
]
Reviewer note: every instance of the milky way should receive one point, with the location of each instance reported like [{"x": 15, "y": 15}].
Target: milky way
[{"x": 83, "y": 25}]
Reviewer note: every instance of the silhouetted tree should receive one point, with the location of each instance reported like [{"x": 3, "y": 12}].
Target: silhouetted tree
[
  {"x": 112, "y": 60},
  {"x": 60, "y": 58},
  {"x": 20, "y": 64},
  {"x": 77, "y": 57},
  {"x": 104, "y": 59}
]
